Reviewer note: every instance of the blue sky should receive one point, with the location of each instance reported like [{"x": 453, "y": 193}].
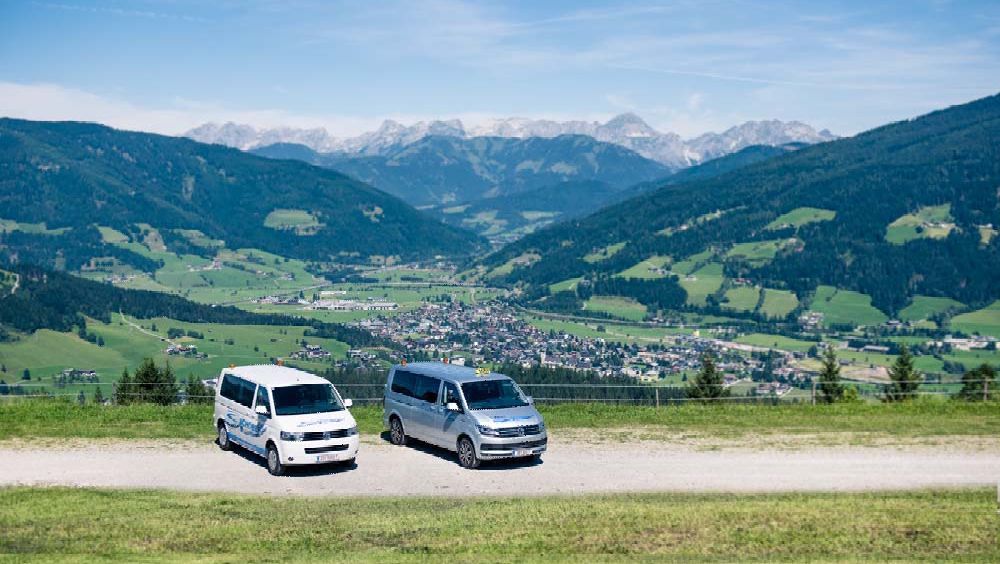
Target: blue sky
[{"x": 688, "y": 67}]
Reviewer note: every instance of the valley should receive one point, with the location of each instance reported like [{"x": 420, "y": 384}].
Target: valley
[{"x": 741, "y": 273}]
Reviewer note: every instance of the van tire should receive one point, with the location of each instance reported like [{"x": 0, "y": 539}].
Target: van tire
[
  {"x": 223, "y": 437},
  {"x": 397, "y": 435},
  {"x": 467, "y": 456},
  {"x": 273, "y": 461}
]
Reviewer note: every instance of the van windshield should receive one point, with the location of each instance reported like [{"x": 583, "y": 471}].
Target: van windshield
[
  {"x": 493, "y": 394},
  {"x": 305, "y": 398}
]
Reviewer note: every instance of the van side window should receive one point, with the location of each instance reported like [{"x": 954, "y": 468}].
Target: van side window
[
  {"x": 247, "y": 390},
  {"x": 230, "y": 387},
  {"x": 450, "y": 394},
  {"x": 427, "y": 388},
  {"x": 262, "y": 398},
  {"x": 403, "y": 383}
]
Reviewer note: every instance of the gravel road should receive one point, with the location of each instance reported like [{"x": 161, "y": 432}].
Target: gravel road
[{"x": 568, "y": 468}]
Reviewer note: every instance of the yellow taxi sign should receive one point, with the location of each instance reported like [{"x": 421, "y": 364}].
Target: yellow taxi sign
[{"x": 482, "y": 371}]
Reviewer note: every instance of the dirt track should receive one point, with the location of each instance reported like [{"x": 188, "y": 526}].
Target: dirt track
[{"x": 568, "y": 468}]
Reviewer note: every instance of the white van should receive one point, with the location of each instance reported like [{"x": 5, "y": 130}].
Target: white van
[{"x": 286, "y": 415}]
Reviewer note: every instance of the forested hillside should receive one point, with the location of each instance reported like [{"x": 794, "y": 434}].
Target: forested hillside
[
  {"x": 60, "y": 179},
  {"x": 55, "y": 300},
  {"x": 907, "y": 209}
]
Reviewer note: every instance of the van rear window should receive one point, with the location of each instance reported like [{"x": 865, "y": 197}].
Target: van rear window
[
  {"x": 237, "y": 389},
  {"x": 403, "y": 383}
]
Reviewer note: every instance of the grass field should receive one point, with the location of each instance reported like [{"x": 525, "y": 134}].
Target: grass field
[
  {"x": 565, "y": 285},
  {"x": 692, "y": 262},
  {"x": 801, "y": 216},
  {"x": 742, "y": 298},
  {"x": 984, "y": 321},
  {"x": 776, "y": 342},
  {"x": 845, "y": 307},
  {"x": 928, "y": 417},
  {"x": 702, "y": 282},
  {"x": 759, "y": 252},
  {"x": 60, "y": 523},
  {"x": 604, "y": 253},
  {"x": 625, "y": 308},
  {"x": 778, "y": 303},
  {"x": 647, "y": 269},
  {"x": 933, "y": 222},
  {"x": 923, "y": 307},
  {"x": 300, "y": 221},
  {"x": 509, "y": 266},
  {"x": 46, "y": 353}
]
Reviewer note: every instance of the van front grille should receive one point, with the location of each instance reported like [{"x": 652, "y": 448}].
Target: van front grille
[
  {"x": 324, "y": 435},
  {"x": 519, "y": 431}
]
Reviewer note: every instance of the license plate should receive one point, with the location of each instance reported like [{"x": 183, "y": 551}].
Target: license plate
[
  {"x": 522, "y": 452},
  {"x": 326, "y": 457}
]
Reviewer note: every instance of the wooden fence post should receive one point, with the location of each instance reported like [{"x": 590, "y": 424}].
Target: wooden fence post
[
  {"x": 657, "y": 390},
  {"x": 814, "y": 392}
]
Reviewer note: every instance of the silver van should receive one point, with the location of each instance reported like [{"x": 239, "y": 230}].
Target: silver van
[{"x": 479, "y": 414}]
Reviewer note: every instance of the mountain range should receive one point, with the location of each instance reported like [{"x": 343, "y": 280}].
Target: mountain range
[
  {"x": 505, "y": 218},
  {"x": 65, "y": 185},
  {"x": 441, "y": 169},
  {"x": 627, "y": 130},
  {"x": 908, "y": 209}
]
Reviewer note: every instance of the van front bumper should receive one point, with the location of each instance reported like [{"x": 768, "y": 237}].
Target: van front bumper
[
  {"x": 318, "y": 452},
  {"x": 491, "y": 448}
]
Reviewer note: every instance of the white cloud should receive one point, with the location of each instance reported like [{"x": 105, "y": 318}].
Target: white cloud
[{"x": 53, "y": 102}]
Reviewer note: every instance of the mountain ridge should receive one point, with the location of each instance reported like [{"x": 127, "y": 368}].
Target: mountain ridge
[{"x": 627, "y": 130}]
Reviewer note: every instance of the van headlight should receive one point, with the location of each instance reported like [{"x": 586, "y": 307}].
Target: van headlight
[
  {"x": 541, "y": 426},
  {"x": 352, "y": 431},
  {"x": 286, "y": 436},
  {"x": 488, "y": 431}
]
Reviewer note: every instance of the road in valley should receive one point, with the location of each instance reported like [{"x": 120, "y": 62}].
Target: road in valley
[{"x": 568, "y": 468}]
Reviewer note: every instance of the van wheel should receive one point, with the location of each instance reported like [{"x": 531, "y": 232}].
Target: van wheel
[
  {"x": 467, "y": 453},
  {"x": 274, "y": 465},
  {"x": 396, "y": 434},
  {"x": 223, "y": 439}
]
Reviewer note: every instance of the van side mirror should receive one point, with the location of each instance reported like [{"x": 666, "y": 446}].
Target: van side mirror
[
  {"x": 262, "y": 410},
  {"x": 348, "y": 402},
  {"x": 452, "y": 406}
]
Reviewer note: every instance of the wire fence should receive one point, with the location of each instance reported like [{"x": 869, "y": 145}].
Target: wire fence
[{"x": 743, "y": 391}]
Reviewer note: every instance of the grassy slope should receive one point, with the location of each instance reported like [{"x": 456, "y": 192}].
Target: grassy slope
[
  {"x": 985, "y": 321},
  {"x": 845, "y": 307},
  {"x": 923, "y": 307},
  {"x": 703, "y": 282},
  {"x": 904, "y": 228},
  {"x": 801, "y": 216},
  {"x": 644, "y": 269},
  {"x": 778, "y": 303},
  {"x": 625, "y": 308},
  {"x": 742, "y": 298},
  {"x": 183, "y": 527},
  {"x": 926, "y": 418}
]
